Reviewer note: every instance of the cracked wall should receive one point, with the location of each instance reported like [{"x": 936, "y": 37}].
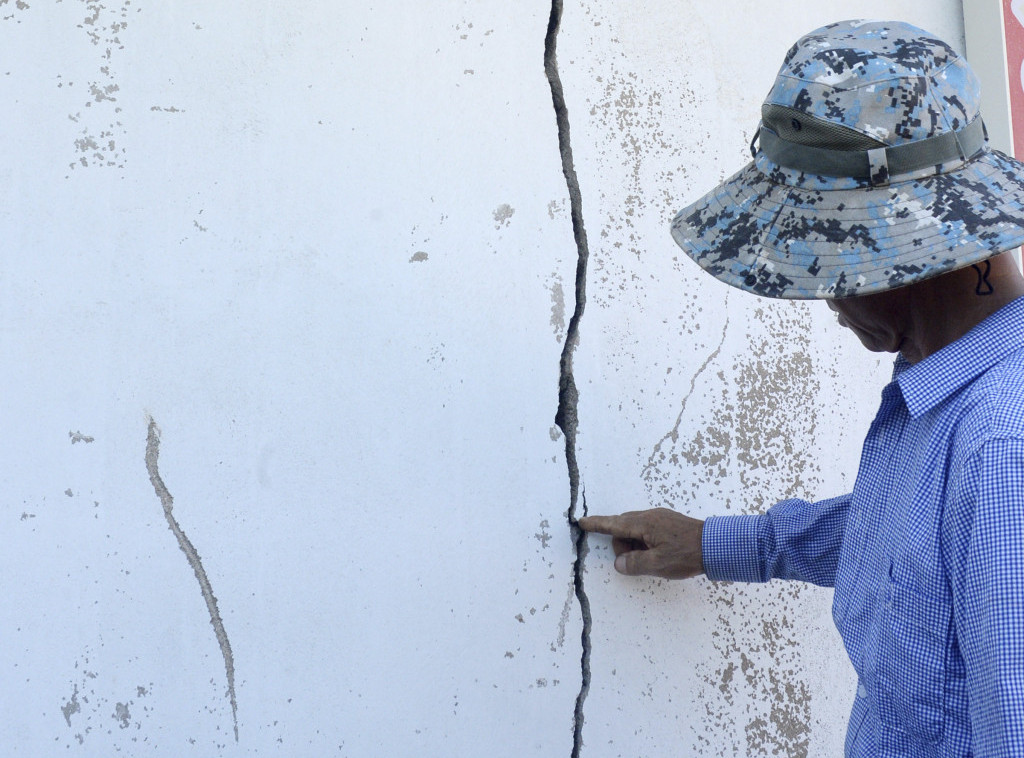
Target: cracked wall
[
  {"x": 699, "y": 397},
  {"x": 340, "y": 253}
]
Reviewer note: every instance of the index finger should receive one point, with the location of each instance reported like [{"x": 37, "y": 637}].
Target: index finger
[{"x": 616, "y": 526}]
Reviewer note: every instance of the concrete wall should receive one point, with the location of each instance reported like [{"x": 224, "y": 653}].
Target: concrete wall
[{"x": 285, "y": 296}]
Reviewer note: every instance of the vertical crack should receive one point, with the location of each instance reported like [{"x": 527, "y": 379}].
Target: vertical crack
[
  {"x": 152, "y": 454},
  {"x": 568, "y": 395}
]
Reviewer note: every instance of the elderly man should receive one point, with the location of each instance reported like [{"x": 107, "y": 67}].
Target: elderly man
[{"x": 874, "y": 190}]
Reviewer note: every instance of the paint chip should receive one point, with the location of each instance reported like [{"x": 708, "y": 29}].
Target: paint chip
[
  {"x": 71, "y": 707},
  {"x": 502, "y": 215},
  {"x": 557, "y": 309},
  {"x": 418, "y": 257},
  {"x": 123, "y": 716}
]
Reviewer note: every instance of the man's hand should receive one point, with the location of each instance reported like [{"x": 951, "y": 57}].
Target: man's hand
[{"x": 658, "y": 542}]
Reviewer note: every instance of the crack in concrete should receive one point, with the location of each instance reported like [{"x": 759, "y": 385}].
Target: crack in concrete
[
  {"x": 673, "y": 435},
  {"x": 568, "y": 395},
  {"x": 152, "y": 455}
]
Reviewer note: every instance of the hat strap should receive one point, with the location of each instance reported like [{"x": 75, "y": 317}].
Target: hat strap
[{"x": 877, "y": 166}]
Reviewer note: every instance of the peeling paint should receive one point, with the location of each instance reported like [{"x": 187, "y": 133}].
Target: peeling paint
[
  {"x": 503, "y": 215},
  {"x": 21, "y": 5},
  {"x": 752, "y": 689},
  {"x": 87, "y": 713},
  {"x": 557, "y": 307},
  {"x": 123, "y": 716},
  {"x": 152, "y": 467},
  {"x": 71, "y": 707},
  {"x": 77, "y": 437},
  {"x": 98, "y": 144},
  {"x": 563, "y": 618}
]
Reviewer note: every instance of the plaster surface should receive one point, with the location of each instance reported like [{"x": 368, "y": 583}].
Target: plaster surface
[{"x": 287, "y": 296}]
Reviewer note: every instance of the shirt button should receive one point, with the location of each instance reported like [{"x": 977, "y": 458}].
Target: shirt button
[{"x": 862, "y": 691}]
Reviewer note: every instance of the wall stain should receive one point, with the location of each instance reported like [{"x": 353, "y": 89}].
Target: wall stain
[
  {"x": 77, "y": 437},
  {"x": 192, "y": 555}
]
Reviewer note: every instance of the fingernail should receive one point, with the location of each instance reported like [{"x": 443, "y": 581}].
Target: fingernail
[{"x": 620, "y": 564}]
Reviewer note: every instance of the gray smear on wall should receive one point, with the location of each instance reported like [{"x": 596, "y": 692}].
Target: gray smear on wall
[{"x": 152, "y": 454}]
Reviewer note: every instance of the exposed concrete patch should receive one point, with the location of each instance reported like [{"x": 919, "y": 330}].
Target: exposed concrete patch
[{"x": 152, "y": 455}]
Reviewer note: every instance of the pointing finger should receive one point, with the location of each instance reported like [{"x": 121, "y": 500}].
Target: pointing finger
[{"x": 616, "y": 526}]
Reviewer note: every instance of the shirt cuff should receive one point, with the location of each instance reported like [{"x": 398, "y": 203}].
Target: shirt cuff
[{"x": 729, "y": 546}]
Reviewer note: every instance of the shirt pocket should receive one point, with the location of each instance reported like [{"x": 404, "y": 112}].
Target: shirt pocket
[{"x": 912, "y": 651}]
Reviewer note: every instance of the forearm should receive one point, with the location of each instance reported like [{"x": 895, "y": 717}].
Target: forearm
[{"x": 795, "y": 539}]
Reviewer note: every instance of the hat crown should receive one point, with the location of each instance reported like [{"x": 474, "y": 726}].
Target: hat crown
[{"x": 890, "y": 81}]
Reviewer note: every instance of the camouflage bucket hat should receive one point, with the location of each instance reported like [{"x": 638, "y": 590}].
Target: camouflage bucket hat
[{"x": 872, "y": 172}]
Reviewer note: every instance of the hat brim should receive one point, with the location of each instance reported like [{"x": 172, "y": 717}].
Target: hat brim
[{"x": 796, "y": 242}]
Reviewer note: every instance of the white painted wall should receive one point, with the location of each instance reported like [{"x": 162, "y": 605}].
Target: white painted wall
[{"x": 326, "y": 248}]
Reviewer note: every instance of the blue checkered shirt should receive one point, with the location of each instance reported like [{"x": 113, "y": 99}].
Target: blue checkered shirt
[{"x": 926, "y": 554}]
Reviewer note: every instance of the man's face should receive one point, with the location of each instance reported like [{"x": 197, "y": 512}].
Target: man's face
[{"x": 879, "y": 320}]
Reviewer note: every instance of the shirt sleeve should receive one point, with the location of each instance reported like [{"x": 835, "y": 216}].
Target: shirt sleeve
[
  {"x": 986, "y": 527},
  {"x": 795, "y": 539}
]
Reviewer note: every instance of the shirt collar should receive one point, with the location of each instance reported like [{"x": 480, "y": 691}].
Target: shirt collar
[{"x": 924, "y": 385}]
